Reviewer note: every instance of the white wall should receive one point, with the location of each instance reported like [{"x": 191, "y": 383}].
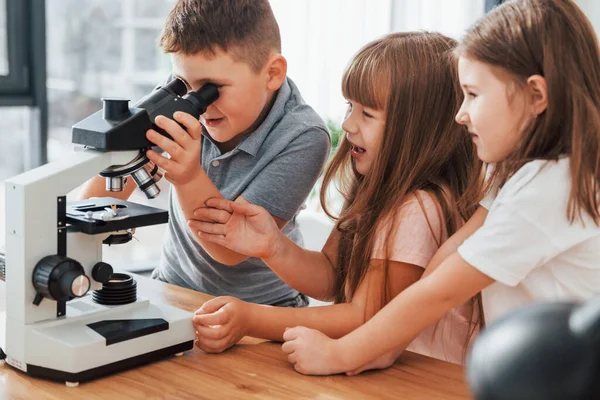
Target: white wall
[
  {"x": 318, "y": 40},
  {"x": 591, "y": 8},
  {"x": 320, "y": 37}
]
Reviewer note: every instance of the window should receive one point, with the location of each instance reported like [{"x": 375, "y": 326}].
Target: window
[
  {"x": 105, "y": 48},
  {"x": 100, "y": 48},
  {"x": 3, "y": 40},
  {"x": 22, "y": 86}
]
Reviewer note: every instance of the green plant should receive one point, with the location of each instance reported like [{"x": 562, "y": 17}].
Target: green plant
[{"x": 337, "y": 133}]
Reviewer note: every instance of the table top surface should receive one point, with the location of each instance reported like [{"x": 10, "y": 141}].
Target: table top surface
[{"x": 252, "y": 369}]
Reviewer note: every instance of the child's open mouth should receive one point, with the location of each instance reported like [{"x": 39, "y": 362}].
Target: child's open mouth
[{"x": 357, "y": 151}]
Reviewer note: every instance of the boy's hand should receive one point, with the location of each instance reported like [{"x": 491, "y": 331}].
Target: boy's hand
[
  {"x": 244, "y": 228},
  {"x": 220, "y": 323},
  {"x": 184, "y": 149},
  {"x": 312, "y": 352}
]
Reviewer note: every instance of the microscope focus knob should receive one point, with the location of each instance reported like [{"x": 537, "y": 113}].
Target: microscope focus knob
[
  {"x": 60, "y": 278},
  {"x": 102, "y": 272}
]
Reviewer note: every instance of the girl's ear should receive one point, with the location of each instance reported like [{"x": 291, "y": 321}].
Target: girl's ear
[{"x": 538, "y": 94}]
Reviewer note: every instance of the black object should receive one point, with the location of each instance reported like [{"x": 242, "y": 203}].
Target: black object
[
  {"x": 118, "y": 127},
  {"x": 48, "y": 373},
  {"x": 545, "y": 351},
  {"x": 61, "y": 226},
  {"x": 101, "y": 272},
  {"x": 120, "y": 289},
  {"x": 2, "y": 354},
  {"x": 53, "y": 277},
  {"x": 138, "y": 215},
  {"x": 121, "y": 330},
  {"x": 118, "y": 238}
]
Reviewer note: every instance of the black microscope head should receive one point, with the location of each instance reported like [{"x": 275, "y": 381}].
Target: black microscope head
[{"x": 118, "y": 127}]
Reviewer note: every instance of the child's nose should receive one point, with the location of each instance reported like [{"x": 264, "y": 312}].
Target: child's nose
[
  {"x": 209, "y": 109},
  {"x": 349, "y": 126},
  {"x": 462, "y": 117}
]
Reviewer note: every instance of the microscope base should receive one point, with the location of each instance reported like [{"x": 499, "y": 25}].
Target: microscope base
[
  {"x": 94, "y": 340},
  {"x": 98, "y": 372}
]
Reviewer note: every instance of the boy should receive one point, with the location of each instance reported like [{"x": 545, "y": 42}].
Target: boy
[{"x": 258, "y": 142}]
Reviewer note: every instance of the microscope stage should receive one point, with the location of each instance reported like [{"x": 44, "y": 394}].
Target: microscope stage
[{"x": 86, "y": 215}]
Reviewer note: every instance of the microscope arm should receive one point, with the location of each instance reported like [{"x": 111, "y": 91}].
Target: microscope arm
[{"x": 32, "y": 200}]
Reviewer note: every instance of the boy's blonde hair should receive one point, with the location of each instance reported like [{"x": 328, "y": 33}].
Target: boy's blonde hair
[{"x": 247, "y": 29}]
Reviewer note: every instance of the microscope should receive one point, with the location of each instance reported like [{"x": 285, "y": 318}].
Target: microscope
[{"x": 69, "y": 316}]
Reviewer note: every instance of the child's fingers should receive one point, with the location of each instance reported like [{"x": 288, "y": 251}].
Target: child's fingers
[
  {"x": 199, "y": 311},
  {"x": 289, "y": 346},
  {"x": 246, "y": 208},
  {"x": 292, "y": 358},
  {"x": 293, "y": 333},
  {"x": 159, "y": 160},
  {"x": 300, "y": 369},
  {"x": 221, "y": 204},
  {"x": 217, "y": 239},
  {"x": 215, "y": 346},
  {"x": 192, "y": 125},
  {"x": 213, "y": 305},
  {"x": 211, "y": 333},
  {"x": 216, "y": 318},
  {"x": 164, "y": 143},
  {"x": 212, "y": 215},
  {"x": 179, "y": 135},
  {"x": 207, "y": 227}
]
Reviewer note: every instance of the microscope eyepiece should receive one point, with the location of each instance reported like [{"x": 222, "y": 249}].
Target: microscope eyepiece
[
  {"x": 176, "y": 86},
  {"x": 161, "y": 95},
  {"x": 203, "y": 97}
]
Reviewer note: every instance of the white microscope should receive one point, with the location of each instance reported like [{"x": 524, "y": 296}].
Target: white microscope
[{"x": 56, "y": 328}]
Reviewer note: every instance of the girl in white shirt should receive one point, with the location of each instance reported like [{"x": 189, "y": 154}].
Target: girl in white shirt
[{"x": 530, "y": 72}]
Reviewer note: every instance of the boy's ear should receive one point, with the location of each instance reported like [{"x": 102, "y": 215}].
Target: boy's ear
[
  {"x": 538, "y": 92},
  {"x": 276, "y": 70}
]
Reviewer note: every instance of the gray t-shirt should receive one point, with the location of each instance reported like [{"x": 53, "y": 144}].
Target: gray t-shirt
[{"x": 274, "y": 167}]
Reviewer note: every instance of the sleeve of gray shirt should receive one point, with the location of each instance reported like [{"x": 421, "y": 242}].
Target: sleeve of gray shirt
[{"x": 284, "y": 184}]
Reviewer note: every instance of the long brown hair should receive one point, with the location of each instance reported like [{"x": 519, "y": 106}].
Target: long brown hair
[
  {"x": 413, "y": 77},
  {"x": 554, "y": 39}
]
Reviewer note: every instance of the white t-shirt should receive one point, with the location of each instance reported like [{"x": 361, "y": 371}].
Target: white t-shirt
[{"x": 528, "y": 245}]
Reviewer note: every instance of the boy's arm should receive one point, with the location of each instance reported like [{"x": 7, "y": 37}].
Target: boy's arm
[
  {"x": 193, "y": 186},
  {"x": 193, "y": 195},
  {"x": 251, "y": 230}
]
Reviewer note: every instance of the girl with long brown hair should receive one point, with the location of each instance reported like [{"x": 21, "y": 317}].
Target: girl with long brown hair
[
  {"x": 409, "y": 176},
  {"x": 530, "y": 73}
]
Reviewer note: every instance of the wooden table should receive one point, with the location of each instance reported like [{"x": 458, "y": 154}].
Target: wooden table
[{"x": 252, "y": 369}]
